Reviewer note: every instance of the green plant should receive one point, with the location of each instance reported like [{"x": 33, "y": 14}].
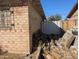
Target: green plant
[{"x": 54, "y": 18}]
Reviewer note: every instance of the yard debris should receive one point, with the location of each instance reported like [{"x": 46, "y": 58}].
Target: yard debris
[
  {"x": 67, "y": 39},
  {"x": 3, "y": 51},
  {"x": 62, "y": 49},
  {"x": 54, "y": 49}
]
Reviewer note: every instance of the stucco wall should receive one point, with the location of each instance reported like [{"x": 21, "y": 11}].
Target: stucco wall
[{"x": 34, "y": 21}]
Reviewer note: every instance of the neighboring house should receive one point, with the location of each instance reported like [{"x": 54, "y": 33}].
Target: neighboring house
[
  {"x": 73, "y": 13},
  {"x": 19, "y": 19},
  {"x": 72, "y": 18}
]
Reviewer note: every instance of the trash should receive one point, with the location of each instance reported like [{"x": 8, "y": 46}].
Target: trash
[{"x": 62, "y": 49}]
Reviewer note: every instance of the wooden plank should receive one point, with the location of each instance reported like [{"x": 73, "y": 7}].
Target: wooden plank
[{"x": 67, "y": 39}]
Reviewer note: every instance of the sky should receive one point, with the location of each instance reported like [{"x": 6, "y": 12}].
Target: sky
[{"x": 62, "y": 7}]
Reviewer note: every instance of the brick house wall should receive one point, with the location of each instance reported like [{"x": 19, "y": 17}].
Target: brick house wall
[
  {"x": 74, "y": 19},
  {"x": 71, "y": 22},
  {"x": 19, "y": 39},
  {"x": 75, "y": 15}
]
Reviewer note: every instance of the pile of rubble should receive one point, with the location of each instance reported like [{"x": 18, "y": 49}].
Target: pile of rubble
[{"x": 62, "y": 49}]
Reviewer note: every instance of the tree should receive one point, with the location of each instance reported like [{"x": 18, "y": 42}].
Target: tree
[{"x": 54, "y": 18}]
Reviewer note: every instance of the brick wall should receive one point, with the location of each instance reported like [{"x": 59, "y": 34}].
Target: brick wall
[
  {"x": 69, "y": 24},
  {"x": 75, "y": 15},
  {"x": 72, "y": 22},
  {"x": 17, "y": 39}
]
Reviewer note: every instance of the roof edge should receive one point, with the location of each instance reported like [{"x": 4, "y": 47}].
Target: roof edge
[{"x": 75, "y": 7}]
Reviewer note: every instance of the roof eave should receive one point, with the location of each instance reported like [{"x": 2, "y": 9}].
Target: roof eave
[{"x": 72, "y": 10}]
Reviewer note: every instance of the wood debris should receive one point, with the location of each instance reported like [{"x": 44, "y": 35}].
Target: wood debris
[{"x": 63, "y": 48}]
